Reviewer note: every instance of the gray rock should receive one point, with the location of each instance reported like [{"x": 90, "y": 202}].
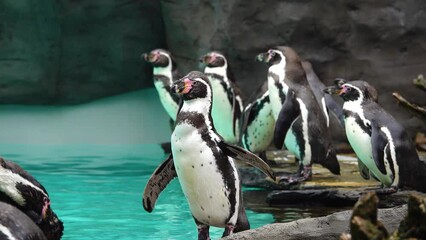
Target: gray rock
[
  {"x": 380, "y": 42},
  {"x": 324, "y": 228}
]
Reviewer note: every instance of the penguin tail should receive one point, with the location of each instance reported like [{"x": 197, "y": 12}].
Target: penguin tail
[{"x": 331, "y": 162}]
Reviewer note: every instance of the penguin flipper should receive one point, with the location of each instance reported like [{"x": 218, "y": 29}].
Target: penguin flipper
[
  {"x": 158, "y": 182},
  {"x": 335, "y": 108},
  {"x": 243, "y": 155},
  {"x": 363, "y": 170},
  {"x": 289, "y": 112},
  {"x": 378, "y": 144}
]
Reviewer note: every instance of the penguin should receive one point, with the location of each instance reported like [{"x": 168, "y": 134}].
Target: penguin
[
  {"x": 164, "y": 73},
  {"x": 378, "y": 140},
  {"x": 204, "y": 163},
  {"x": 20, "y": 189},
  {"x": 300, "y": 122},
  {"x": 258, "y": 123},
  {"x": 227, "y": 103},
  {"x": 14, "y": 224},
  {"x": 325, "y": 101}
]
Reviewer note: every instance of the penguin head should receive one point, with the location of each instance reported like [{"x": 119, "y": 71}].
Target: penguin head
[
  {"x": 271, "y": 57},
  {"x": 194, "y": 85},
  {"x": 159, "y": 58},
  {"x": 214, "y": 59},
  {"x": 353, "y": 90}
]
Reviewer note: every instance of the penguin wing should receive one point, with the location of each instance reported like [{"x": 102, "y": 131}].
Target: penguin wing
[
  {"x": 243, "y": 155},
  {"x": 289, "y": 112},
  {"x": 158, "y": 182},
  {"x": 378, "y": 144},
  {"x": 363, "y": 170},
  {"x": 335, "y": 108}
]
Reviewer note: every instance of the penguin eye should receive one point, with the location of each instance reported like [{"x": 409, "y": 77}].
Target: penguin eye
[
  {"x": 272, "y": 54},
  {"x": 348, "y": 89}
]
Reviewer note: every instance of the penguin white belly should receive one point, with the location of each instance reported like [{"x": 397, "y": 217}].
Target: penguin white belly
[
  {"x": 260, "y": 132},
  {"x": 361, "y": 144},
  {"x": 274, "y": 97},
  {"x": 222, "y": 112},
  {"x": 166, "y": 100},
  {"x": 200, "y": 179}
]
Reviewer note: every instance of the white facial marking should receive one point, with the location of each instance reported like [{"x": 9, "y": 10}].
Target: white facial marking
[
  {"x": 8, "y": 181},
  {"x": 6, "y": 231},
  {"x": 165, "y": 71},
  {"x": 274, "y": 93}
]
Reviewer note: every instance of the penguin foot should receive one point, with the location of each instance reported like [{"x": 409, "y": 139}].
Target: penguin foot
[
  {"x": 304, "y": 174},
  {"x": 203, "y": 232},
  {"x": 229, "y": 229}
]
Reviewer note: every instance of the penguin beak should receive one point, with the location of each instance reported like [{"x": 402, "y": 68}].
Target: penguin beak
[
  {"x": 150, "y": 57},
  {"x": 261, "y": 57},
  {"x": 183, "y": 86},
  {"x": 332, "y": 90}
]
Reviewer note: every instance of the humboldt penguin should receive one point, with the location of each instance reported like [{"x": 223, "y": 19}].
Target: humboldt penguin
[
  {"x": 378, "y": 140},
  {"x": 20, "y": 189},
  {"x": 227, "y": 102},
  {"x": 300, "y": 122},
  {"x": 14, "y": 224},
  {"x": 164, "y": 73},
  {"x": 258, "y": 123},
  {"x": 204, "y": 163}
]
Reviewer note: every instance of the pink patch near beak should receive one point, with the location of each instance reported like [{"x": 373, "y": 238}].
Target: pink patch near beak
[{"x": 188, "y": 86}]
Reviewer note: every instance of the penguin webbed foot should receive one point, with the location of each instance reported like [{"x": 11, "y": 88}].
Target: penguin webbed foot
[
  {"x": 203, "y": 232},
  {"x": 229, "y": 229},
  {"x": 304, "y": 174}
]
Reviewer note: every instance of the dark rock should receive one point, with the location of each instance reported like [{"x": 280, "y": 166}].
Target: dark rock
[
  {"x": 334, "y": 197},
  {"x": 414, "y": 224},
  {"x": 380, "y": 42},
  {"x": 18, "y": 223},
  {"x": 64, "y": 52},
  {"x": 364, "y": 223},
  {"x": 324, "y": 228}
]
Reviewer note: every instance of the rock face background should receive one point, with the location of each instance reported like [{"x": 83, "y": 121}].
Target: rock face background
[
  {"x": 73, "y": 51},
  {"x": 381, "y": 42}
]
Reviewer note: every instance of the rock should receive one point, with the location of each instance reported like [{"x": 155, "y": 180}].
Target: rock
[
  {"x": 414, "y": 224},
  {"x": 19, "y": 224},
  {"x": 364, "y": 224},
  {"x": 324, "y": 228},
  {"x": 67, "y": 52},
  {"x": 382, "y": 43}
]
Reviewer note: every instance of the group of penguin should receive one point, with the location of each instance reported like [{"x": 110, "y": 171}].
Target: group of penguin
[{"x": 290, "y": 110}]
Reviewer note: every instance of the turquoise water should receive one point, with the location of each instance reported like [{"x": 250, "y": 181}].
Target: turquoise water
[{"x": 96, "y": 190}]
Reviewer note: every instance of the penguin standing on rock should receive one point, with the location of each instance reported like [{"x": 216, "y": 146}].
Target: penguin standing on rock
[
  {"x": 300, "y": 122},
  {"x": 21, "y": 190},
  {"x": 204, "y": 163},
  {"x": 227, "y": 103},
  {"x": 378, "y": 140},
  {"x": 164, "y": 73}
]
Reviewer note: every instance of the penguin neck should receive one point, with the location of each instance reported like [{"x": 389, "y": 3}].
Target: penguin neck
[
  {"x": 221, "y": 71},
  {"x": 164, "y": 71},
  {"x": 199, "y": 105},
  {"x": 279, "y": 71}
]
